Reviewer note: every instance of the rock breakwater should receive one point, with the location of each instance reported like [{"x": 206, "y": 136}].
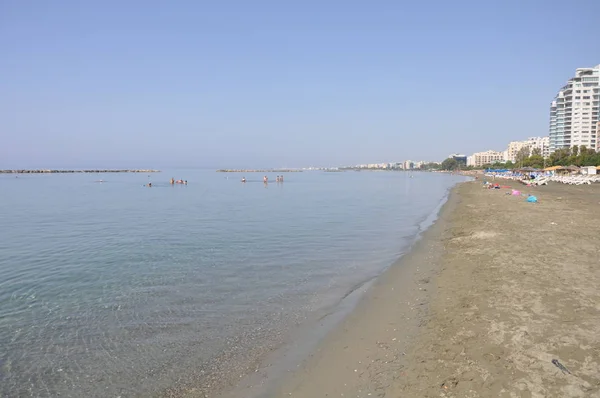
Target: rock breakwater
[{"x": 49, "y": 171}]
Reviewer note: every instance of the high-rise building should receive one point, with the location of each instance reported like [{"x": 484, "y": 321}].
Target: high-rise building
[{"x": 574, "y": 111}]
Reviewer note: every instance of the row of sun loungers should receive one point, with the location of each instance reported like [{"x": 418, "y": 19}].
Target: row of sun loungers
[
  {"x": 576, "y": 180},
  {"x": 544, "y": 179},
  {"x": 539, "y": 180}
]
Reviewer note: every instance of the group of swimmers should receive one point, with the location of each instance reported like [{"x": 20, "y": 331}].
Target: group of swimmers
[
  {"x": 173, "y": 182},
  {"x": 184, "y": 182},
  {"x": 266, "y": 179}
]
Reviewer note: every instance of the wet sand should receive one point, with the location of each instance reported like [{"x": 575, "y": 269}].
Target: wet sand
[{"x": 494, "y": 292}]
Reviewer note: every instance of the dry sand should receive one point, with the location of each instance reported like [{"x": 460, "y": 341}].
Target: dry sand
[{"x": 495, "y": 291}]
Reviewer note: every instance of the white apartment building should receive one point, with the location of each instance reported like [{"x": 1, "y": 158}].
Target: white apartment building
[
  {"x": 574, "y": 111},
  {"x": 541, "y": 143},
  {"x": 478, "y": 159},
  {"x": 544, "y": 145}
]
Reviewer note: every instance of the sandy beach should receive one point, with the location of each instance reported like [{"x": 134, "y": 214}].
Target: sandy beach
[{"x": 500, "y": 298}]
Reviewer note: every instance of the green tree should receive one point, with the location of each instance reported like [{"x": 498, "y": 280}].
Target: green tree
[
  {"x": 536, "y": 152},
  {"x": 522, "y": 155},
  {"x": 560, "y": 157},
  {"x": 575, "y": 150},
  {"x": 536, "y": 161},
  {"x": 430, "y": 166},
  {"x": 450, "y": 164}
]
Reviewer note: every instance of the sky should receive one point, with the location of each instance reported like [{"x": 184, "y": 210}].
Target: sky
[{"x": 211, "y": 84}]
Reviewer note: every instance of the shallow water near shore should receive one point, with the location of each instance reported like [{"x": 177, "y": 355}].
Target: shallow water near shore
[{"x": 114, "y": 288}]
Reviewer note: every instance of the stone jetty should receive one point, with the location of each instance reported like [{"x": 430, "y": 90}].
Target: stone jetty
[{"x": 48, "y": 171}]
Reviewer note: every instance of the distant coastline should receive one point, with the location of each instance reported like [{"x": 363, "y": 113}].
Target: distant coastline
[
  {"x": 49, "y": 171},
  {"x": 258, "y": 171}
]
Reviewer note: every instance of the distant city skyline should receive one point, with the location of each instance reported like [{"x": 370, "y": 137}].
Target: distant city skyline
[{"x": 256, "y": 85}]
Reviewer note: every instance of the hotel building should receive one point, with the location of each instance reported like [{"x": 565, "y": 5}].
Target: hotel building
[
  {"x": 574, "y": 111},
  {"x": 478, "y": 159},
  {"x": 541, "y": 143}
]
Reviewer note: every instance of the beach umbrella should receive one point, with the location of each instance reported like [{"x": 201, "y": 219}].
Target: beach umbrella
[{"x": 553, "y": 168}]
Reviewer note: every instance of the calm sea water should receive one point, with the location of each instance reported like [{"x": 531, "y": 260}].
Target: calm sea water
[{"x": 115, "y": 289}]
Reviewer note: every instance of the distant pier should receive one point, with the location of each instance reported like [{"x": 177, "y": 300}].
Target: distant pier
[{"x": 49, "y": 171}]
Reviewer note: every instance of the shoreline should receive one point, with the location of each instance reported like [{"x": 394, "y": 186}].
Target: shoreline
[
  {"x": 278, "y": 368},
  {"x": 265, "y": 375},
  {"x": 365, "y": 351},
  {"x": 480, "y": 307}
]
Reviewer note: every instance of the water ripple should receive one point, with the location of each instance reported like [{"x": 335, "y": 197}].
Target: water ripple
[{"x": 114, "y": 289}]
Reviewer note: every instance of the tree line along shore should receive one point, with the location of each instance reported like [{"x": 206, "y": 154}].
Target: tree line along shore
[
  {"x": 47, "y": 171},
  {"x": 579, "y": 156}
]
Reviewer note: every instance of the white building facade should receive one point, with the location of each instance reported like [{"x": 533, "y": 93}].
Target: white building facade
[
  {"x": 531, "y": 143},
  {"x": 478, "y": 159},
  {"x": 574, "y": 111}
]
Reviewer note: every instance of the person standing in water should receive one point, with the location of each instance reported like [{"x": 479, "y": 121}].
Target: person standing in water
[
  {"x": 266, "y": 179},
  {"x": 243, "y": 179},
  {"x": 172, "y": 181}
]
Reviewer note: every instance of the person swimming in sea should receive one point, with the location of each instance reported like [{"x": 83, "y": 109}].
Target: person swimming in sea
[
  {"x": 172, "y": 181},
  {"x": 243, "y": 179},
  {"x": 149, "y": 185}
]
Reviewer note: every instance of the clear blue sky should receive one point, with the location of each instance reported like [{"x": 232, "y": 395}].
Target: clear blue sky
[{"x": 270, "y": 83}]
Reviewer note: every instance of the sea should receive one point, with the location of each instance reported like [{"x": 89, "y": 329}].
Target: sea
[{"x": 111, "y": 288}]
